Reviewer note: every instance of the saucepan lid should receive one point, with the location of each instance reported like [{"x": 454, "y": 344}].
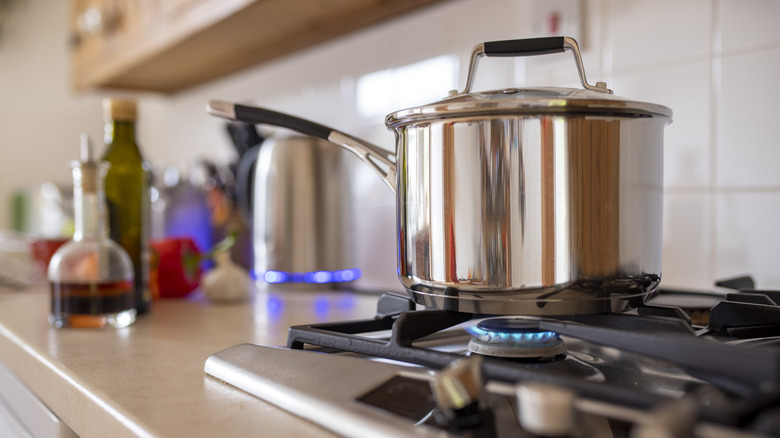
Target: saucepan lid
[{"x": 591, "y": 99}]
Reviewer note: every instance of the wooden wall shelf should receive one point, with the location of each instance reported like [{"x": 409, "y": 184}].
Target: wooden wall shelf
[{"x": 169, "y": 46}]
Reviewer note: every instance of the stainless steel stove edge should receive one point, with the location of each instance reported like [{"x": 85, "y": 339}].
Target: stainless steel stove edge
[{"x": 287, "y": 379}]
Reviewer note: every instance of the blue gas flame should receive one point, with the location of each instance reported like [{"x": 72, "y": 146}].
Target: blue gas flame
[
  {"x": 531, "y": 338},
  {"x": 315, "y": 277}
]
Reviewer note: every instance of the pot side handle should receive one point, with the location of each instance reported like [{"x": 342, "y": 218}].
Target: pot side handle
[
  {"x": 531, "y": 47},
  {"x": 382, "y": 161}
]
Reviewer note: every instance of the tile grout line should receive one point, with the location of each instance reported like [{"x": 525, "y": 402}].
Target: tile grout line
[
  {"x": 715, "y": 47},
  {"x": 711, "y": 191},
  {"x": 750, "y": 48},
  {"x": 606, "y": 44},
  {"x": 715, "y": 100}
]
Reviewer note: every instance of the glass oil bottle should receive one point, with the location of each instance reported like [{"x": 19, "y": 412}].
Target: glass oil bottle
[
  {"x": 91, "y": 276},
  {"x": 127, "y": 189}
]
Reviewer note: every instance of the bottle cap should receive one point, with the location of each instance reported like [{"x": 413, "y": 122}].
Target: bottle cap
[
  {"x": 86, "y": 170},
  {"x": 119, "y": 110}
]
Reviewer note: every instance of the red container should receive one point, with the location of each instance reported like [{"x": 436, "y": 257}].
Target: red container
[
  {"x": 177, "y": 271},
  {"x": 41, "y": 251}
]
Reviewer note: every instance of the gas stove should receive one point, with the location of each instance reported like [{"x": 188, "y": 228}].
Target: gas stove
[{"x": 682, "y": 364}]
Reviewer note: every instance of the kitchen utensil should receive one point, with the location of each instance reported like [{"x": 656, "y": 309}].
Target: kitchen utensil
[
  {"x": 537, "y": 201},
  {"x": 247, "y": 141}
]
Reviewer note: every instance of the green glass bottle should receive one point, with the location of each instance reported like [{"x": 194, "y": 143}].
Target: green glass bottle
[{"x": 127, "y": 186}]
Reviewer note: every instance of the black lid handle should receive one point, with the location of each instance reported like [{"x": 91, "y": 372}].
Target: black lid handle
[
  {"x": 525, "y": 47},
  {"x": 531, "y": 47}
]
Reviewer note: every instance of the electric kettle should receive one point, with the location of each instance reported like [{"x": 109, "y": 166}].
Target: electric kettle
[{"x": 298, "y": 211}]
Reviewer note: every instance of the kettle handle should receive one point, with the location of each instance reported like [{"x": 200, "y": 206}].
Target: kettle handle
[
  {"x": 382, "y": 161},
  {"x": 530, "y": 47},
  {"x": 245, "y": 174}
]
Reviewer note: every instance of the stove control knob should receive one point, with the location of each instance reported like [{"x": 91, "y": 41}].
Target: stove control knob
[
  {"x": 546, "y": 410},
  {"x": 458, "y": 386},
  {"x": 672, "y": 419},
  {"x": 457, "y": 391}
]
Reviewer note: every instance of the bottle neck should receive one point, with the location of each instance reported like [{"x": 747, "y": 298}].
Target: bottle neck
[
  {"x": 88, "y": 209},
  {"x": 119, "y": 133}
]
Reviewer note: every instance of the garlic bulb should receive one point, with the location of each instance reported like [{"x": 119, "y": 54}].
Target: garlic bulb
[{"x": 226, "y": 281}]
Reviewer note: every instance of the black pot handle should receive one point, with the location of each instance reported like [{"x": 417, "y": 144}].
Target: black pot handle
[
  {"x": 530, "y": 47},
  {"x": 382, "y": 161},
  {"x": 254, "y": 114}
]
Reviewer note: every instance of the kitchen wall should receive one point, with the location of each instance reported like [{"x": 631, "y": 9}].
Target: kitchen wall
[{"x": 714, "y": 62}]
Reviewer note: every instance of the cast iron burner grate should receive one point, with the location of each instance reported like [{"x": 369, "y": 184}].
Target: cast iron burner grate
[{"x": 726, "y": 353}]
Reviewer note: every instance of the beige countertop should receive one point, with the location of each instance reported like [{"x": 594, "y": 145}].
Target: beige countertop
[{"x": 148, "y": 379}]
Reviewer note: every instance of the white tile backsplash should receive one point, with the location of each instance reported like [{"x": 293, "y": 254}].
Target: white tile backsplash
[
  {"x": 747, "y": 239},
  {"x": 686, "y": 89},
  {"x": 560, "y": 70},
  {"x": 748, "y": 23},
  {"x": 748, "y": 147},
  {"x": 374, "y": 229},
  {"x": 28, "y": 153},
  {"x": 714, "y": 62},
  {"x": 687, "y": 233},
  {"x": 649, "y": 32}
]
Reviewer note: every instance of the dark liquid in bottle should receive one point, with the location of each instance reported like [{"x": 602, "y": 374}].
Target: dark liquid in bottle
[{"x": 92, "y": 298}]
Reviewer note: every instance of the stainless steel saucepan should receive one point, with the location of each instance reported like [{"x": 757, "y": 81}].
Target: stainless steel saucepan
[{"x": 536, "y": 201}]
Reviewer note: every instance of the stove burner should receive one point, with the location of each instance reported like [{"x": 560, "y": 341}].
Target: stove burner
[{"x": 514, "y": 338}]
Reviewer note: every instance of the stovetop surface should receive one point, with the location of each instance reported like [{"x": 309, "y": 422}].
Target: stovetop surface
[{"x": 688, "y": 364}]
